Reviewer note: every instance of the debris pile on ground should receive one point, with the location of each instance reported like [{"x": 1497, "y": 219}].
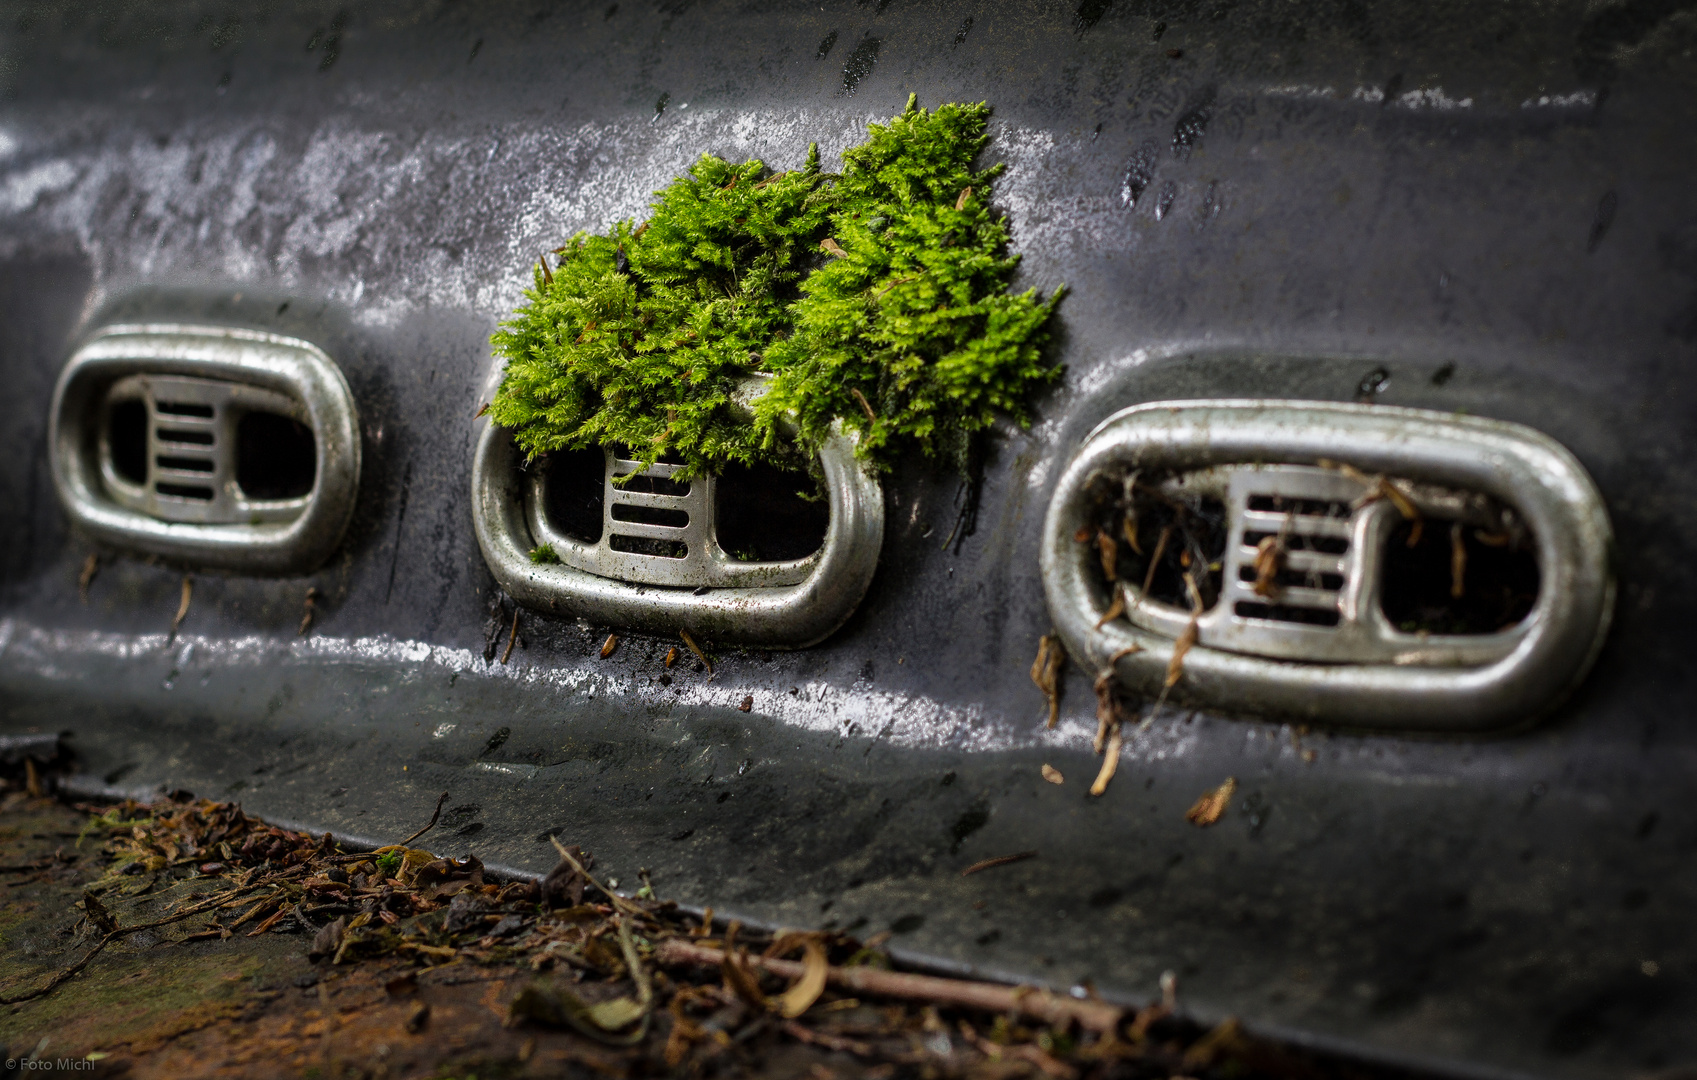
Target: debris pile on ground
[{"x": 567, "y": 971}]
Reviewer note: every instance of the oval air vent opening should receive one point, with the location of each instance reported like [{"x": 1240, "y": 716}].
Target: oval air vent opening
[
  {"x": 276, "y": 457},
  {"x": 1153, "y": 533},
  {"x": 763, "y": 514},
  {"x": 126, "y": 434},
  {"x": 572, "y": 494},
  {"x": 1457, "y": 578}
]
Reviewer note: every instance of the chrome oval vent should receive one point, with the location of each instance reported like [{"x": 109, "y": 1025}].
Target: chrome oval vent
[
  {"x": 1367, "y": 565},
  {"x": 217, "y": 447},
  {"x": 579, "y": 534}
]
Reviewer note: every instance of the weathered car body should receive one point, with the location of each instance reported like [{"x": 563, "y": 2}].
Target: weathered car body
[{"x": 1437, "y": 207}]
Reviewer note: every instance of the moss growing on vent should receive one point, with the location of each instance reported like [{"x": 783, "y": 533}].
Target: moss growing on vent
[{"x": 876, "y": 297}]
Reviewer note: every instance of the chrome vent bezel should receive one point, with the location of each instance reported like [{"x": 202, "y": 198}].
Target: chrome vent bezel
[
  {"x": 769, "y": 605},
  {"x": 1384, "y": 678},
  {"x": 230, "y": 531}
]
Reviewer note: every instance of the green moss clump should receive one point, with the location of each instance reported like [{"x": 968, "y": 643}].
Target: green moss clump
[
  {"x": 876, "y": 298},
  {"x": 544, "y": 554}
]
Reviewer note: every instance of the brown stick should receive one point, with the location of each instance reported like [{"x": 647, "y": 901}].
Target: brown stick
[
  {"x": 1000, "y": 860},
  {"x": 90, "y": 567},
  {"x": 1038, "y": 1004},
  {"x": 183, "y": 605},
  {"x": 829, "y": 1042},
  {"x": 440, "y": 799},
  {"x": 865, "y": 406},
  {"x": 512, "y": 637}
]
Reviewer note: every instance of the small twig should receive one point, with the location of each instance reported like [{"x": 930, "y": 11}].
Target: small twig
[
  {"x": 644, "y": 987},
  {"x": 1155, "y": 560},
  {"x": 618, "y": 901},
  {"x": 696, "y": 649},
  {"x": 869, "y": 981},
  {"x": 182, "y": 606},
  {"x": 829, "y": 1042},
  {"x": 1110, "y": 760},
  {"x": 1046, "y": 672},
  {"x": 871, "y": 417},
  {"x": 431, "y": 824},
  {"x": 90, "y": 567},
  {"x": 1000, "y": 860},
  {"x": 312, "y": 595},
  {"x": 512, "y": 637}
]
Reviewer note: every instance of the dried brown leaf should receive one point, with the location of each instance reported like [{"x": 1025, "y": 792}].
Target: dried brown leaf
[
  {"x": 1110, "y": 762},
  {"x": 1115, "y": 609},
  {"x": 1212, "y": 805},
  {"x": 1108, "y": 550},
  {"x": 1269, "y": 560},
  {"x": 960, "y": 203},
  {"x": 1175, "y": 666},
  {"x": 90, "y": 567},
  {"x": 1046, "y": 672},
  {"x": 183, "y": 604},
  {"x": 696, "y": 649},
  {"x": 806, "y": 990},
  {"x": 832, "y": 248},
  {"x": 607, "y": 646}
]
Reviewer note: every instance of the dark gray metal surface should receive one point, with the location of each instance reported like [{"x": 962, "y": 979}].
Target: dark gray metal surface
[{"x": 1248, "y": 199}]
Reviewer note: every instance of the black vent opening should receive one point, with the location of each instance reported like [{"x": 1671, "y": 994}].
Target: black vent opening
[
  {"x": 184, "y": 464},
  {"x": 187, "y": 438},
  {"x": 184, "y": 491},
  {"x": 1457, "y": 579},
  {"x": 572, "y": 497},
  {"x": 765, "y": 514},
  {"x": 276, "y": 457},
  {"x": 1179, "y": 533},
  {"x": 650, "y": 515},
  {"x": 126, "y": 434},
  {"x": 1287, "y": 613},
  {"x": 184, "y": 408}
]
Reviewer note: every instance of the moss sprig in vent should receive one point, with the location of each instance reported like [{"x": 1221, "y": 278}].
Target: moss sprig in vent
[{"x": 877, "y": 297}]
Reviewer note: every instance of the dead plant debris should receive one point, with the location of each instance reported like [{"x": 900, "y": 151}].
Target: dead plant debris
[
  {"x": 1053, "y": 775},
  {"x": 310, "y": 609},
  {"x": 90, "y": 567},
  {"x": 182, "y": 606},
  {"x": 417, "y": 956},
  {"x": 1212, "y": 805},
  {"x": 999, "y": 860},
  {"x": 1046, "y": 672}
]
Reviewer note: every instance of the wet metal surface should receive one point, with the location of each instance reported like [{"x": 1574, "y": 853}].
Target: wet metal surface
[{"x": 1255, "y": 199}]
